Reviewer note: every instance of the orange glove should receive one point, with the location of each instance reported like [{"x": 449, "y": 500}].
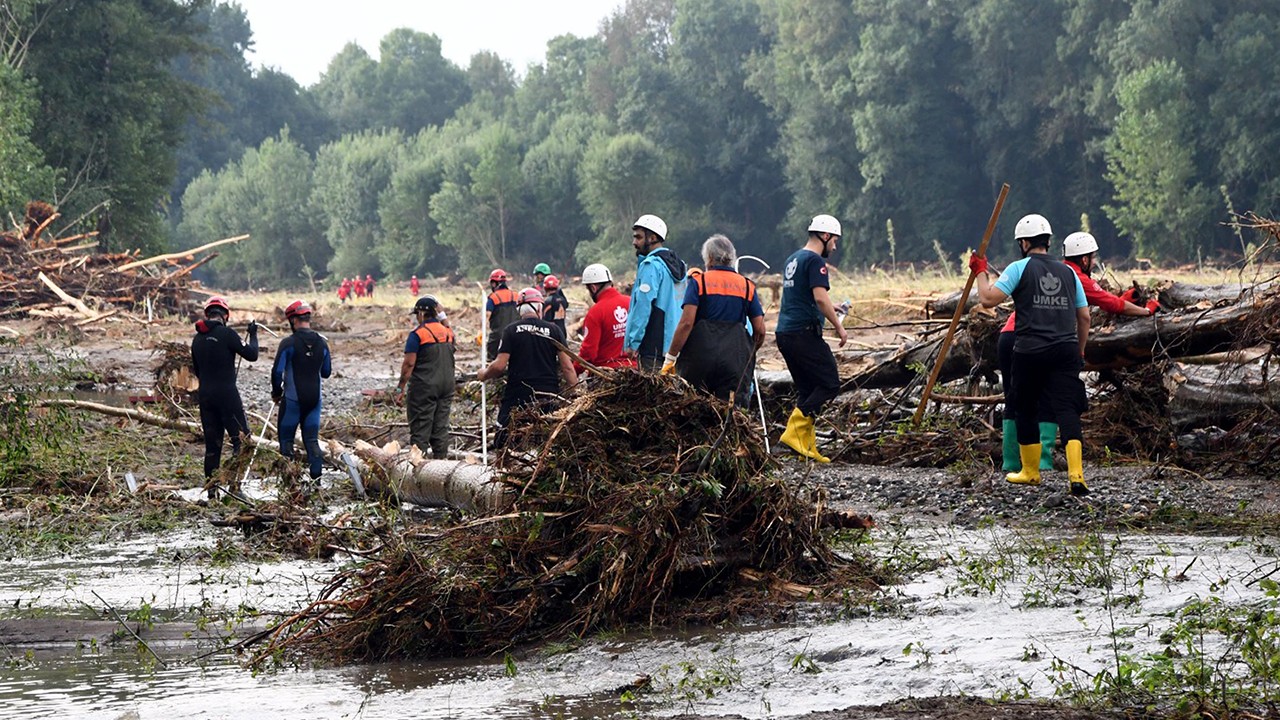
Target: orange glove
[
  {"x": 480, "y": 339},
  {"x": 669, "y": 365}
]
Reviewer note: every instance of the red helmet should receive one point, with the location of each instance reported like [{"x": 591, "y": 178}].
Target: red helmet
[
  {"x": 297, "y": 308},
  {"x": 551, "y": 282},
  {"x": 217, "y": 301},
  {"x": 529, "y": 295},
  {"x": 499, "y": 275}
]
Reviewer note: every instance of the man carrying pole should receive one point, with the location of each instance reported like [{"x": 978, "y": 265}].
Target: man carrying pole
[{"x": 1048, "y": 353}]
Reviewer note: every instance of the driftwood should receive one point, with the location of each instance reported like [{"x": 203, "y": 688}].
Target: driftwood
[
  {"x": 1205, "y": 395},
  {"x": 411, "y": 477},
  {"x": 141, "y": 416},
  {"x": 38, "y": 272}
]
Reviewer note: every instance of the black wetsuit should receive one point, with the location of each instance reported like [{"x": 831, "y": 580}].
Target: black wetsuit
[{"x": 213, "y": 357}]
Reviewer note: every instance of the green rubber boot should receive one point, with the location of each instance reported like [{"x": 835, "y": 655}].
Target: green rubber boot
[
  {"x": 1048, "y": 437},
  {"x": 1009, "y": 444}
]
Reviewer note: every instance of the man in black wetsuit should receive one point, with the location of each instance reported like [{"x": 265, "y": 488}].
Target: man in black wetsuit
[
  {"x": 303, "y": 358},
  {"x": 213, "y": 357}
]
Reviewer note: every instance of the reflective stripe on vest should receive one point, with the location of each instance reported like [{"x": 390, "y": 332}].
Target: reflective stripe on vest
[
  {"x": 725, "y": 282},
  {"x": 428, "y": 336}
]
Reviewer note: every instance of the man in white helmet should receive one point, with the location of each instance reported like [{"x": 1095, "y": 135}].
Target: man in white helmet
[
  {"x": 656, "y": 295},
  {"x": 805, "y": 305},
  {"x": 1052, "y": 328},
  {"x": 605, "y": 326}
]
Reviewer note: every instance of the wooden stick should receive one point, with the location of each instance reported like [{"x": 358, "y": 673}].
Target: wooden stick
[
  {"x": 180, "y": 255},
  {"x": 35, "y": 236},
  {"x": 968, "y": 399},
  {"x": 79, "y": 306},
  {"x": 964, "y": 297},
  {"x": 130, "y": 630},
  {"x": 186, "y": 270}
]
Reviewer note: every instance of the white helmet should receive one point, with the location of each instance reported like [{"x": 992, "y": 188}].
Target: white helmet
[
  {"x": 596, "y": 273},
  {"x": 1079, "y": 243},
  {"x": 653, "y": 224},
  {"x": 824, "y": 224},
  {"x": 1031, "y": 226}
]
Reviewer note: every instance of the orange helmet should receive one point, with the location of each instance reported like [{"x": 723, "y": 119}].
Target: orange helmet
[
  {"x": 297, "y": 308},
  {"x": 551, "y": 282}
]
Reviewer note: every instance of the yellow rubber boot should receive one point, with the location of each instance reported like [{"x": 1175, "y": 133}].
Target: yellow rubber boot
[
  {"x": 1075, "y": 468},
  {"x": 1030, "y": 473},
  {"x": 811, "y": 441},
  {"x": 793, "y": 436}
]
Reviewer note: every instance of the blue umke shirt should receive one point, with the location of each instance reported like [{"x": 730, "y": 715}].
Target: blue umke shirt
[
  {"x": 655, "y": 303},
  {"x": 1046, "y": 294}
]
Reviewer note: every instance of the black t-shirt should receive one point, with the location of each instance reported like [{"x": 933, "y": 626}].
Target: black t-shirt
[{"x": 535, "y": 361}]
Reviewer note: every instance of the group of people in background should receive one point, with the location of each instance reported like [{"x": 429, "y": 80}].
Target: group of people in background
[{"x": 357, "y": 288}]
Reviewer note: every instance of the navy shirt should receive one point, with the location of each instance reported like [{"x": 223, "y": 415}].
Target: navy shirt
[
  {"x": 534, "y": 362},
  {"x": 804, "y": 271}
]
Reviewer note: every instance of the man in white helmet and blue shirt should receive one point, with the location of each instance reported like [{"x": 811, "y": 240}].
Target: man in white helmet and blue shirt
[
  {"x": 805, "y": 304},
  {"x": 656, "y": 295},
  {"x": 1051, "y": 330}
]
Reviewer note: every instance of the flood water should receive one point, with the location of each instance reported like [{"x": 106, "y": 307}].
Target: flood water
[{"x": 988, "y": 622}]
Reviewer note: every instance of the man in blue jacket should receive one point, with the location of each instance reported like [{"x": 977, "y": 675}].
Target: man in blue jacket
[
  {"x": 303, "y": 358},
  {"x": 656, "y": 295}
]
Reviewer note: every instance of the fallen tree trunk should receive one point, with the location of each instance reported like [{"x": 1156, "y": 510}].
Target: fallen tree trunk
[
  {"x": 144, "y": 417},
  {"x": 412, "y": 477},
  {"x": 1205, "y": 395}
]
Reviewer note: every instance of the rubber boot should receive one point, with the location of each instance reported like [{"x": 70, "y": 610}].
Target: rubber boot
[
  {"x": 1075, "y": 468},
  {"x": 793, "y": 436},
  {"x": 1012, "y": 462},
  {"x": 1048, "y": 438},
  {"x": 811, "y": 441},
  {"x": 1030, "y": 472}
]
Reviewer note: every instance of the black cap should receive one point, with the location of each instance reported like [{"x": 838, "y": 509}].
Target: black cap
[{"x": 426, "y": 303}]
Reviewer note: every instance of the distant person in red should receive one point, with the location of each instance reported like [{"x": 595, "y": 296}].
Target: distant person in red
[
  {"x": 605, "y": 326},
  {"x": 414, "y": 286},
  {"x": 344, "y": 290},
  {"x": 357, "y": 287},
  {"x": 368, "y": 285}
]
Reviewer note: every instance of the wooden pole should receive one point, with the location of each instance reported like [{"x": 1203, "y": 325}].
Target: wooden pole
[
  {"x": 964, "y": 298},
  {"x": 180, "y": 255}
]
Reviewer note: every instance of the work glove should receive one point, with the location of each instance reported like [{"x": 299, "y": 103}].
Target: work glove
[
  {"x": 669, "y": 364},
  {"x": 977, "y": 264},
  {"x": 1130, "y": 295},
  {"x": 1153, "y": 306},
  {"x": 277, "y": 395},
  {"x": 253, "y": 327},
  {"x": 480, "y": 339}
]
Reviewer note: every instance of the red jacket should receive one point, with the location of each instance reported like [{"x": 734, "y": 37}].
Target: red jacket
[
  {"x": 1093, "y": 294},
  {"x": 606, "y": 329}
]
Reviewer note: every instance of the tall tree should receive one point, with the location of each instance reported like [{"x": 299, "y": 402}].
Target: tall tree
[
  {"x": 351, "y": 175},
  {"x": 112, "y": 111},
  {"x": 1150, "y": 161}
]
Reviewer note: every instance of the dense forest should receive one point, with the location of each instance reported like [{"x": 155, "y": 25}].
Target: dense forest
[{"x": 1150, "y": 122}]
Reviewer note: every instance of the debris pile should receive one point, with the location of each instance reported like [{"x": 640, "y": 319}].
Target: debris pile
[
  {"x": 641, "y": 501},
  {"x": 68, "y": 277}
]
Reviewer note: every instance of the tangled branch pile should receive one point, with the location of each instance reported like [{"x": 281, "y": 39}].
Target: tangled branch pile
[
  {"x": 68, "y": 276},
  {"x": 639, "y": 502}
]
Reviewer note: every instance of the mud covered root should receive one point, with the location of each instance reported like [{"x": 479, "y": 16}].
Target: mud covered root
[{"x": 639, "y": 502}]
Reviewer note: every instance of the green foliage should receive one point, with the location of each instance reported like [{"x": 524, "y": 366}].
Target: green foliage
[
  {"x": 30, "y": 433},
  {"x": 23, "y": 172},
  {"x": 1151, "y": 163},
  {"x": 350, "y": 176},
  {"x": 622, "y": 178}
]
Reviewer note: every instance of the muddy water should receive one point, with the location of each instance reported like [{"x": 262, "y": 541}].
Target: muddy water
[{"x": 983, "y": 624}]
